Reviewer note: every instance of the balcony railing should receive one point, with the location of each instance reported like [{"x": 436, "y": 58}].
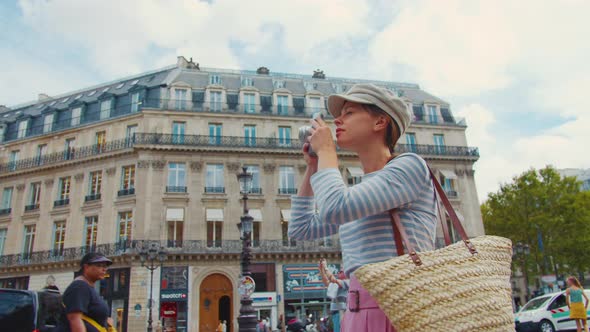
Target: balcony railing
[
  {"x": 61, "y": 202},
  {"x": 215, "y": 190},
  {"x": 176, "y": 189},
  {"x": 4, "y": 212},
  {"x": 209, "y": 141},
  {"x": 126, "y": 192},
  {"x": 287, "y": 191},
  {"x": 92, "y": 197},
  {"x": 196, "y": 247},
  {"x": 31, "y": 207},
  {"x": 451, "y": 193},
  {"x": 256, "y": 191}
]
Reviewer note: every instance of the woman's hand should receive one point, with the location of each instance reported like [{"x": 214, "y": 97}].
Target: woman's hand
[{"x": 321, "y": 138}]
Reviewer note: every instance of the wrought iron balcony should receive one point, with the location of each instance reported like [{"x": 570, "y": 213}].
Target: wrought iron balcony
[
  {"x": 214, "y": 243},
  {"x": 451, "y": 193},
  {"x": 176, "y": 189},
  {"x": 126, "y": 192},
  {"x": 61, "y": 202},
  {"x": 256, "y": 191},
  {"x": 4, "y": 212},
  {"x": 215, "y": 190},
  {"x": 31, "y": 207},
  {"x": 92, "y": 197},
  {"x": 287, "y": 191}
]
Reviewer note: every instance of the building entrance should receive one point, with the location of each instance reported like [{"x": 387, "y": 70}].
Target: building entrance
[{"x": 215, "y": 303}]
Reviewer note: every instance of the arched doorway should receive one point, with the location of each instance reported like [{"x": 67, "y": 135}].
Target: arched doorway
[{"x": 215, "y": 304}]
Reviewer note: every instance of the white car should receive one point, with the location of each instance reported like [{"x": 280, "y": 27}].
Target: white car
[{"x": 546, "y": 313}]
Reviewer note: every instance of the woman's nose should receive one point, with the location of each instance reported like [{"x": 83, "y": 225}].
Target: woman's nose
[{"x": 337, "y": 121}]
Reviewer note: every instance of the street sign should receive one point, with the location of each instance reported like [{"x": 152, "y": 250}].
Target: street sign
[{"x": 247, "y": 286}]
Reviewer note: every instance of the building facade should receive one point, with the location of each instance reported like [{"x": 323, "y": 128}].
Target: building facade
[{"x": 154, "y": 158}]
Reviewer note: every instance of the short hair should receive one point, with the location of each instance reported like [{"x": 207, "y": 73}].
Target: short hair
[{"x": 392, "y": 133}]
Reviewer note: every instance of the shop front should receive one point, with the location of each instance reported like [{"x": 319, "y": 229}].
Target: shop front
[
  {"x": 174, "y": 299},
  {"x": 265, "y": 304},
  {"x": 115, "y": 291}
]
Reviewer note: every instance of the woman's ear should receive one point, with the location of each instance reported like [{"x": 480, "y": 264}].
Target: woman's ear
[{"x": 381, "y": 122}]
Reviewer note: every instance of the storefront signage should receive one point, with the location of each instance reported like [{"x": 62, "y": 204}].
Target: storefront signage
[
  {"x": 262, "y": 299},
  {"x": 305, "y": 280},
  {"x": 169, "y": 309},
  {"x": 173, "y": 295}
]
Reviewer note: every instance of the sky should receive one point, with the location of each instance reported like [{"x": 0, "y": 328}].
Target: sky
[{"x": 516, "y": 70}]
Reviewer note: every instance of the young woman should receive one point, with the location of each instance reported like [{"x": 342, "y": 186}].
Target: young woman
[
  {"x": 574, "y": 295},
  {"x": 337, "y": 292},
  {"x": 83, "y": 305},
  {"x": 369, "y": 121}
]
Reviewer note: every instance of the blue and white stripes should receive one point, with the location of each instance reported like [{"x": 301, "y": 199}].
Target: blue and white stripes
[{"x": 360, "y": 212}]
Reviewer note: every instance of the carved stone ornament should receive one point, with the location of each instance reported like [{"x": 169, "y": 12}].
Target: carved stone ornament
[
  {"x": 470, "y": 172},
  {"x": 111, "y": 171},
  {"x": 196, "y": 166},
  {"x": 20, "y": 187},
  {"x": 143, "y": 164},
  {"x": 302, "y": 168},
  {"x": 79, "y": 176},
  {"x": 158, "y": 164},
  {"x": 49, "y": 182},
  {"x": 460, "y": 172},
  {"x": 233, "y": 167},
  {"x": 269, "y": 168}
]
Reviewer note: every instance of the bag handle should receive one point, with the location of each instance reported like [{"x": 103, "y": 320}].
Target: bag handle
[{"x": 401, "y": 236}]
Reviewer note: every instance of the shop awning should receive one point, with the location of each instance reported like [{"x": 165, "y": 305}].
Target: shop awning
[
  {"x": 214, "y": 214},
  {"x": 175, "y": 214},
  {"x": 256, "y": 214},
  {"x": 286, "y": 215},
  {"x": 448, "y": 174},
  {"x": 356, "y": 172}
]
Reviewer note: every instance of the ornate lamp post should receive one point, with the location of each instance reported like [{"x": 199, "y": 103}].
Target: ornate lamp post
[
  {"x": 151, "y": 258},
  {"x": 247, "y": 319},
  {"x": 523, "y": 250}
]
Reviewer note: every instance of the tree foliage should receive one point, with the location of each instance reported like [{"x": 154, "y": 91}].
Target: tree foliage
[{"x": 542, "y": 204}]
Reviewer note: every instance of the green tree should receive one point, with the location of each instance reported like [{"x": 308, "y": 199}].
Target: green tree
[{"x": 542, "y": 204}]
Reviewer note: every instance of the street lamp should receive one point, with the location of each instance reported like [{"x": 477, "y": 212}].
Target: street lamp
[
  {"x": 247, "y": 319},
  {"x": 151, "y": 258},
  {"x": 523, "y": 250}
]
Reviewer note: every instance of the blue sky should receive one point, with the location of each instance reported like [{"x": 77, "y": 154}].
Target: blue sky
[{"x": 516, "y": 71}]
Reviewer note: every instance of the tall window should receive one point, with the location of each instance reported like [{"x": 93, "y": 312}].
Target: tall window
[
  {"x": 249, "y": 103},
  {"x": 41, "y": 151},
  {"x": 69, "y": 148},
  {"x": 76, "y": 114},
  {"x": 130, "y": 134},
  {"x": 214, "y": 227},
  {"x": 22, "y": 128},
  {"x": 128, "y": 177},
  {"x": 175, "y": 220},
  {"x": 59, "y": 238},
  {"x": 90, "y": 232},
  {"x": 105, "y": 109},
  {"x": 47, "y": 123},
  {"x": 283, "y": 105},
  {"x": 214, "y": 179},
  {"x": 134, "y": 102},
  {"x": 256, "y": 226},
  {"x": 285, "y": 136},
  {"x": 29, "y": 240},
  {"x": 125, "y": 228},
  {"x": 215, "y": 102},
  {"x": 13, "y": 159},
  {"x": 250, "y": 135},
  {"x": 101, "y": 141},
  {"x": 64, "y": 188},
  {"x": 95, "y": 184},
  {"x": 411, "y": 141},
  {"x": 2, "y": 240},
  {"x": 180, "y": 99},
  {"x": 35, "y": 195},
  {"x": 287, "y": 180},
  {"x": 176, "y": 177},
  {"x": 285, "y": 218},
  {"x": 215, "y": 133},
  {"x": 432, "y": 114},
  {"x": 178, "y": 129},
  {"x": 439, "y": 143},
  {"x": 6, "y": 198},
  {"x": 255, "y": 170},
  {"x": 314, "y": 103},
  {"x": 215, "y": 79}
]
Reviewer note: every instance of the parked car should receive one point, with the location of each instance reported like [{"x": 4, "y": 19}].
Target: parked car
[
  {"x": 547, "y": 313},
  {"x": 29, "y": 311}
]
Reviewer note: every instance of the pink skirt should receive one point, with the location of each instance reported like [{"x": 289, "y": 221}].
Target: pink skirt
[{"x": 363, "y": 314}]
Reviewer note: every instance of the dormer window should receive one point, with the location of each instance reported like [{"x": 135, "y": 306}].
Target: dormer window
[
  {"x": 309, "y": 86},
  {"x": 279, "y": 84},
  {"x": 105, "y": 109},
  {"x": 215, "y": 80},
  {"x": 247, "y": 81},
  {"x": 76, "y": 115},
  {"x": 22, "y": 128},
  {"x": 339, "y": 88},
  {"x": 47, "y": 123}
]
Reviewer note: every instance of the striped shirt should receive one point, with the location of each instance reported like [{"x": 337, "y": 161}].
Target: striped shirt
[{"x": 360, "y": 213}]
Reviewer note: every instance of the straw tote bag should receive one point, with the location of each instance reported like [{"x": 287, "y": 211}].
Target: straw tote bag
[{"x": 462, "y": 287}]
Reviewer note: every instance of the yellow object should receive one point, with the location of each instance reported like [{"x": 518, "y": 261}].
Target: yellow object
[
  {"x": 577, "y": 310},
  {"x": 97, "y": 326}
]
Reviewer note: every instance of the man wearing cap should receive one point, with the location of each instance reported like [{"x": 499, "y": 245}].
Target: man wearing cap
[
  {"x": 85, "y": 310},
  {"x": 369, "y": 121}
]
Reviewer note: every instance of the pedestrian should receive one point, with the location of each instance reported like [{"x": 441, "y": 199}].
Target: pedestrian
[
  {"x": 85, "y": 310},
  {"x": 575, "y": 302},
  {"x": 337, "y": 292},
  {"x": 369, "y": 121},
  {"x": 224, "y": 326},
  {"x": 219, "y": 327}
]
